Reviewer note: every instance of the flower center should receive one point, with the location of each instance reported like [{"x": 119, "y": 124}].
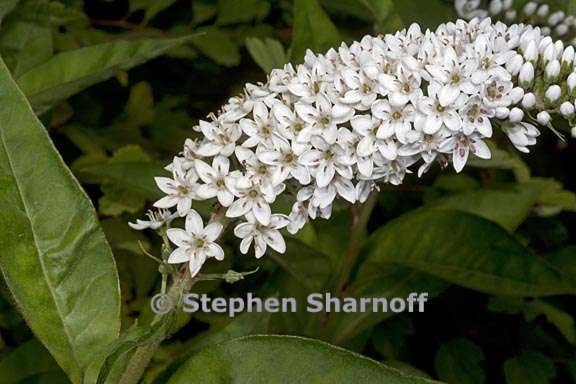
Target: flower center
[{"x": 397, "y": 115}]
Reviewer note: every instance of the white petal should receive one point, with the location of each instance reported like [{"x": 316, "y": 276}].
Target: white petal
[
  {"x": 213, "y": 231},
  {"x": 205, "y": 172},
  {"x": 239, "y": 208},
  {"x": 276, "y": 241},
  {"x": 194, "y": 223},
  {"x": 262, "y": 211},
  {"x": 215, "y": 251},
  {"x": 178, "y": 256},
  {"x": 178, "y": 236}
]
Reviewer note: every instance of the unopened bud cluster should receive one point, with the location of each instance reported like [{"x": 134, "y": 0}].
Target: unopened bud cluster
[
  {"x": 359, "y": 115},
  {"x": 548, "y": 15}
]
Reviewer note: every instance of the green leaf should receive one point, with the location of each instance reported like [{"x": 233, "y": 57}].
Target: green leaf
[
  {"x": 218, "y": 46},
  {"x": 529, "y": 368},
  {"x": 277, "y": 359},
  {"x": 460, "y": 362},
  {"x": 509, "y": 206},
  {"x": 466, "y": 250},
  {"x": 309, "y": 267},
  {"x": 72, "y": 71},
  {"x": 313, "y": 30},
  {"x": 385, "y": 281},
  {"x": 26, "y": 361},
  {"x": 428, "y": 14},
  {"x": 151, "y": 8},
  {"x": 532, "y": 309},
  {"x": 6, "y": 7},
  {"x": 241, "y": 11},
  {"x": 268, "y": 53},
  {"x": 55, "y": 259},
  {"x": 26, "y": 36}
]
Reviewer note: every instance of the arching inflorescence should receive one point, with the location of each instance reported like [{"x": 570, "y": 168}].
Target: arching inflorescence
[{"x": 362, "y": 114}]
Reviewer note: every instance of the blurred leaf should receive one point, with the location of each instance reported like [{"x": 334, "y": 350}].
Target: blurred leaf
[
  {"x": 55, "y": 260},
  {"x": 532, "y": 309},
  {"x": 385, "y": 281},
  {"x": 554, "y": 198},
  {"x": 313, "y": 30},
  {"x": 26, "y": 361},
  {"x": 509, "y": 206},
  {"x": 460, "y": 362},
  {"x": 241, "y": 11},
  {"x": 202, "y": 11},
  {"x": 273, "y": 359},
  {"x": 72, "y": 71},
  {"x": 130, "y": 169},
  {"x": 428, "y": 14},
  {"x": 389, "y": 337},
  {"x": 310, "y": 268},
  {"x": 529, "y": 368},
  {"x": 465, "y": 250},
  {"x": 151, "y": 8},
  {"x": 268, "y": 53},
  {"x": 6, "y": 7},
  {"x": 140, "y": 106},
  {"x": 504, "y": 160},
  {"x": 561, "y": 319},
  {"x": 406, "y": 368},
  {"x": 25, "y": 37},
  {"x": 216, "y": 44}
]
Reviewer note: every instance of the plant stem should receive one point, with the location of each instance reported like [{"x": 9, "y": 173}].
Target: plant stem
[
  {"x": 359, "y": 221},
  {"x": 143, "y": 355}
]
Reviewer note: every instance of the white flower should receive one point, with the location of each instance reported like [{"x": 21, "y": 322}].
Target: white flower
[
  {"x": 439, "y": 109},
  {"x": 398, "y": 118},
  {"x": 461, "y": 146},
  {"x": 322, "y": 119},
  {"x": 326, "y": 160},
  {"x": 180, "y": 190},
  {"x": 218, "y": 179},
  {"x": 476, "y": 118},
  {"x": 254, "y": 198},
  {"x": 220, "y": 139},
  {"x": 196, "y": 243},
  {"x": 156, "y": 220},
  {"x": 522, "y": 135},
  {"x": 284, "y": 159},
  {"x": 262, "y": 235}
]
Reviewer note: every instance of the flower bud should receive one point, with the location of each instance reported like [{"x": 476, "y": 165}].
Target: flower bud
[
  {"x": 502, "y": 113},
  {"x": 516, "y": 95},
  {"x": 571, "y": 81},
  {"x": 511, "y": 14},
  {"x": 568, "y": 55},
  {"x": 529, "y": 101},
  {"x": 506, "y": 4},
  {"x": 553, "y": 69},
  {"x": 530, "y": 8},
  {"x": 513, "y": 65},
  {"x": 516, "y": 115},
  {"x": 561, "y": 29},
  {"x": 543, "y": 10},
  {"x": 573, "y": 132},
  {"x": 555, "y": 18},
  {"x": 526, "y": 75},
  {"x": 495, "y": 7},
  {"x": 531, "y": 51},
  {"x": 549, "y": 53},
  {"x": 567, "y": 109},
  {"x": 553, "y": 93},
  {"x": 543, "y": 118},
  {"x": 545, "y": 43}
]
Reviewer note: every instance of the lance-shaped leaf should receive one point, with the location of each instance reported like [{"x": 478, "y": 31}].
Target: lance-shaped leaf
[
  {"x": 72, "y": 71},
  {"x": 54, "y": 257},
  {"x": 285, "y": 359}
]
